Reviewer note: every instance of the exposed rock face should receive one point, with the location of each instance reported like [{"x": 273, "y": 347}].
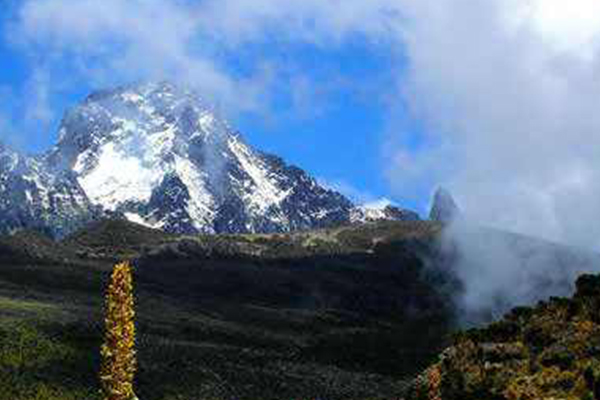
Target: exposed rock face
[
  {"x": 33, "y": 197},
  {"x": 444, "y": 208}
]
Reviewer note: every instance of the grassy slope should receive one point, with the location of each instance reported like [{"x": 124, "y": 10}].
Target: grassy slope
[{"x": 279, "y": 316}]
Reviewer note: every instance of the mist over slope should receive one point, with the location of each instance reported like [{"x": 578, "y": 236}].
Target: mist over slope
[{"x": 499, "y": 270}]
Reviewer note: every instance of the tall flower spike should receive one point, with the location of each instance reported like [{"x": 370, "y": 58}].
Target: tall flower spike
[{"x": 118, "y": 354}]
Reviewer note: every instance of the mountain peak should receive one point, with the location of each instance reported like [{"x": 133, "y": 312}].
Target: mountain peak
[
  {"x": 158, "y": 154},
  {"x": 4, "y": 148},
  {"x": 144, "y": 89},
  {"x": 9, "y": 159},
  {"x": 444, "y": 208}
]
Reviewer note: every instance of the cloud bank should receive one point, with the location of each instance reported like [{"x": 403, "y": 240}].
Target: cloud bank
[
  {"x": 508, "y": 93},
  {"x": 192, "y": 42},
  {"x": 511, "y": 113}
]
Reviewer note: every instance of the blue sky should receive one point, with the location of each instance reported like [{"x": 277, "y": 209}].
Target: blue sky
[
  {"x": 494, "y": 100},
  {"x": 335, "y": 127}
]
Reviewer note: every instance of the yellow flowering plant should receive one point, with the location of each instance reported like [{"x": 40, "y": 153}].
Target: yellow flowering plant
[{"x": 118, "y": 353}]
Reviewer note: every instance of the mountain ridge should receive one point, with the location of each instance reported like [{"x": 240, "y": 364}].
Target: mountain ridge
[{"x": 33, "y": 197}]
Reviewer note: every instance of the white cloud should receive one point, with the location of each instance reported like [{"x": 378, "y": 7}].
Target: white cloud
[
  {"x": 569, "y": 26},
  {"x": 514, "y": 118},
  {"x": 379, "y": 204},
  {"x": 38, "y": 108},
  {"x": 25, "y": 111},
  {"x": 317, "y": 21},
  {"x": 178, "y": 40},
  {"x": 116, "y": 40}
]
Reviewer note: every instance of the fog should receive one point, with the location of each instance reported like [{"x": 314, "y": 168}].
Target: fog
[{"x": 499, "y": 270}]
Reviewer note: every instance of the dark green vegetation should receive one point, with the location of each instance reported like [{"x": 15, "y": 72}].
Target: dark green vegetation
[
  {"x": 328, "y": 314},
  {"x": 551, "y": 351},
  {"x": 352, "y": 312}
]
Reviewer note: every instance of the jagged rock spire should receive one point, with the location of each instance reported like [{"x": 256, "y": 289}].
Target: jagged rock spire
[{"x": 444, "y": 208}]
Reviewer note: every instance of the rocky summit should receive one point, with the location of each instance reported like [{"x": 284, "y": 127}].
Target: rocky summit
[
  {"x": 444, "y": 208},
  {"x": 159, "y": 155}
]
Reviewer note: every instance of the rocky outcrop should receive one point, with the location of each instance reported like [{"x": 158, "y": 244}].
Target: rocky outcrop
[{"x": 444, "y": 208}]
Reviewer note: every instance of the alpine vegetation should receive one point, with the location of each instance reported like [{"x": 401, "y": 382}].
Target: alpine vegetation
[{"x": 118, "y": 353}]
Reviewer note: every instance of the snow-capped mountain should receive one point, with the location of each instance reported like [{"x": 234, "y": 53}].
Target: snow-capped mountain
[
  {"x": 33, "y": 197},
  {"x": 157, "y": 154}
]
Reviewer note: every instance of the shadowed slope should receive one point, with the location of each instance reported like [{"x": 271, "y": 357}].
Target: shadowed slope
[{"x": 350, "y": 312}]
